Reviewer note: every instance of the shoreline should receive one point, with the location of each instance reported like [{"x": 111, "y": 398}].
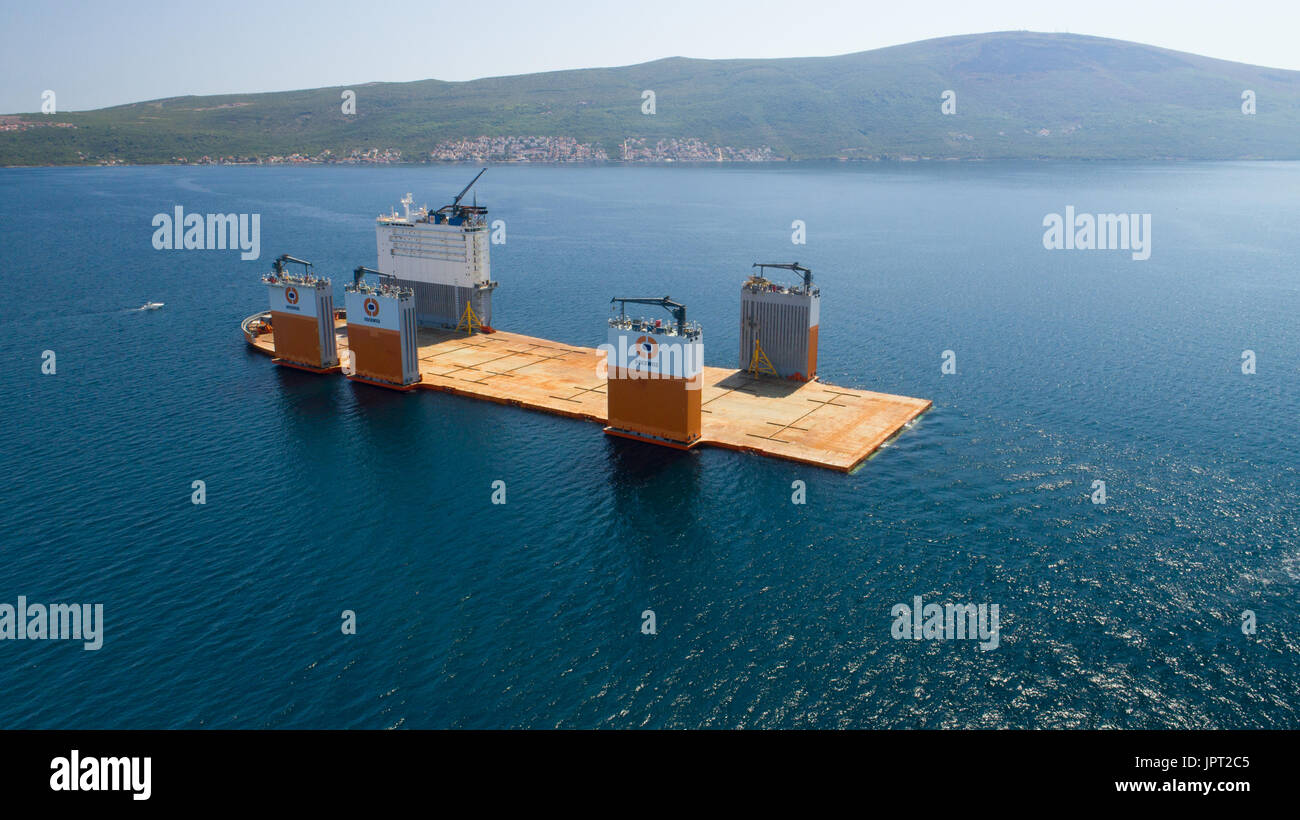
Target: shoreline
[{"x": 669, "y": 164}]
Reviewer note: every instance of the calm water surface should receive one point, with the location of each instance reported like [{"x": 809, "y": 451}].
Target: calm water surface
[{"x": 324, "y": 496}]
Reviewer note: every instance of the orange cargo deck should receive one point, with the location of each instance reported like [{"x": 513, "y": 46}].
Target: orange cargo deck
[{"x": 813, "y": 423}]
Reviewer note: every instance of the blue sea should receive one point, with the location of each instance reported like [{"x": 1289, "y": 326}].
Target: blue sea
[{"x": 322, "y": 495}]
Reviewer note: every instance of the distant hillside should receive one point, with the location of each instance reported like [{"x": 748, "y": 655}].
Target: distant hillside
[{"x": 1018, "y": 95}]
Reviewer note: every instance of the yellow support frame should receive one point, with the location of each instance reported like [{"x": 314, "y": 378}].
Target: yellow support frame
[
  {"x": 759, "y": 363},
  {"x": 469, "y": 321}
]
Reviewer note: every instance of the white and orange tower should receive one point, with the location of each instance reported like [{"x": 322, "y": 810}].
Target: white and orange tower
[
  {"x": 779, "y": 324},
  {"x": 655, "y": 373},
  {"x": 302, "y": 318},
  {"x": 442, "y": 257},
  {"x": 382, "y": 333}
]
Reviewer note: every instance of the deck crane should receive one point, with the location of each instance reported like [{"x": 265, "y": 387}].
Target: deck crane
[
  {"x": 455, "y": 208},
  {"x": 677, "y": 309},
  {"x": 790, "y": 266},
  {"x": 361, "y": 270},
  {"x": 279, "y": 264}
]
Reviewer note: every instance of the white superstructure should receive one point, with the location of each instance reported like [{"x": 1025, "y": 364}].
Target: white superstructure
[
  {"x": 442, "y": 256},
  {"x": 436, "y": 249}
]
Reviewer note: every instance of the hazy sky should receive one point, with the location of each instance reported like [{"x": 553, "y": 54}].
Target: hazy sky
[{"x": 94, "y": 54}]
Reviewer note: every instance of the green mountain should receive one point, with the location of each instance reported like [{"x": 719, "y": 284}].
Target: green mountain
[{"x": 1017, "y": 95}]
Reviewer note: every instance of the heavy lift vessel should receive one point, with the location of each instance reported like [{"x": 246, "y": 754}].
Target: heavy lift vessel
[{"x": 425, "y": 320}]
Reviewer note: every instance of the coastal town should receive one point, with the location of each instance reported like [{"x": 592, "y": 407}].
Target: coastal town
[
  {"x": 518, "y": 149},
  {"x": 373, "y": 156},
  {"x": 567, "y": 149},
  {"x": 522, "y": 149},
  {"x": 500, "y": 149},
  {"x": 691, "y": 150}
]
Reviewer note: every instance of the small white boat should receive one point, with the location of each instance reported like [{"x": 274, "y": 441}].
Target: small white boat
[{"x": 152, "y": 305}]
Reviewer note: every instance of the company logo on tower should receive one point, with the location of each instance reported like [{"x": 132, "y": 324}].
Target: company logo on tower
[
  {"x": 647, "y": 348},
  {"x": 291, "y": 295},
  {"x": 648, "y": 357},
  {"x": 371, "y": 306}
]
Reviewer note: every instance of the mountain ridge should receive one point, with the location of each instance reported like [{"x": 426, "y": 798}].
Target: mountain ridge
[{"x": 1017, "y": 95}]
